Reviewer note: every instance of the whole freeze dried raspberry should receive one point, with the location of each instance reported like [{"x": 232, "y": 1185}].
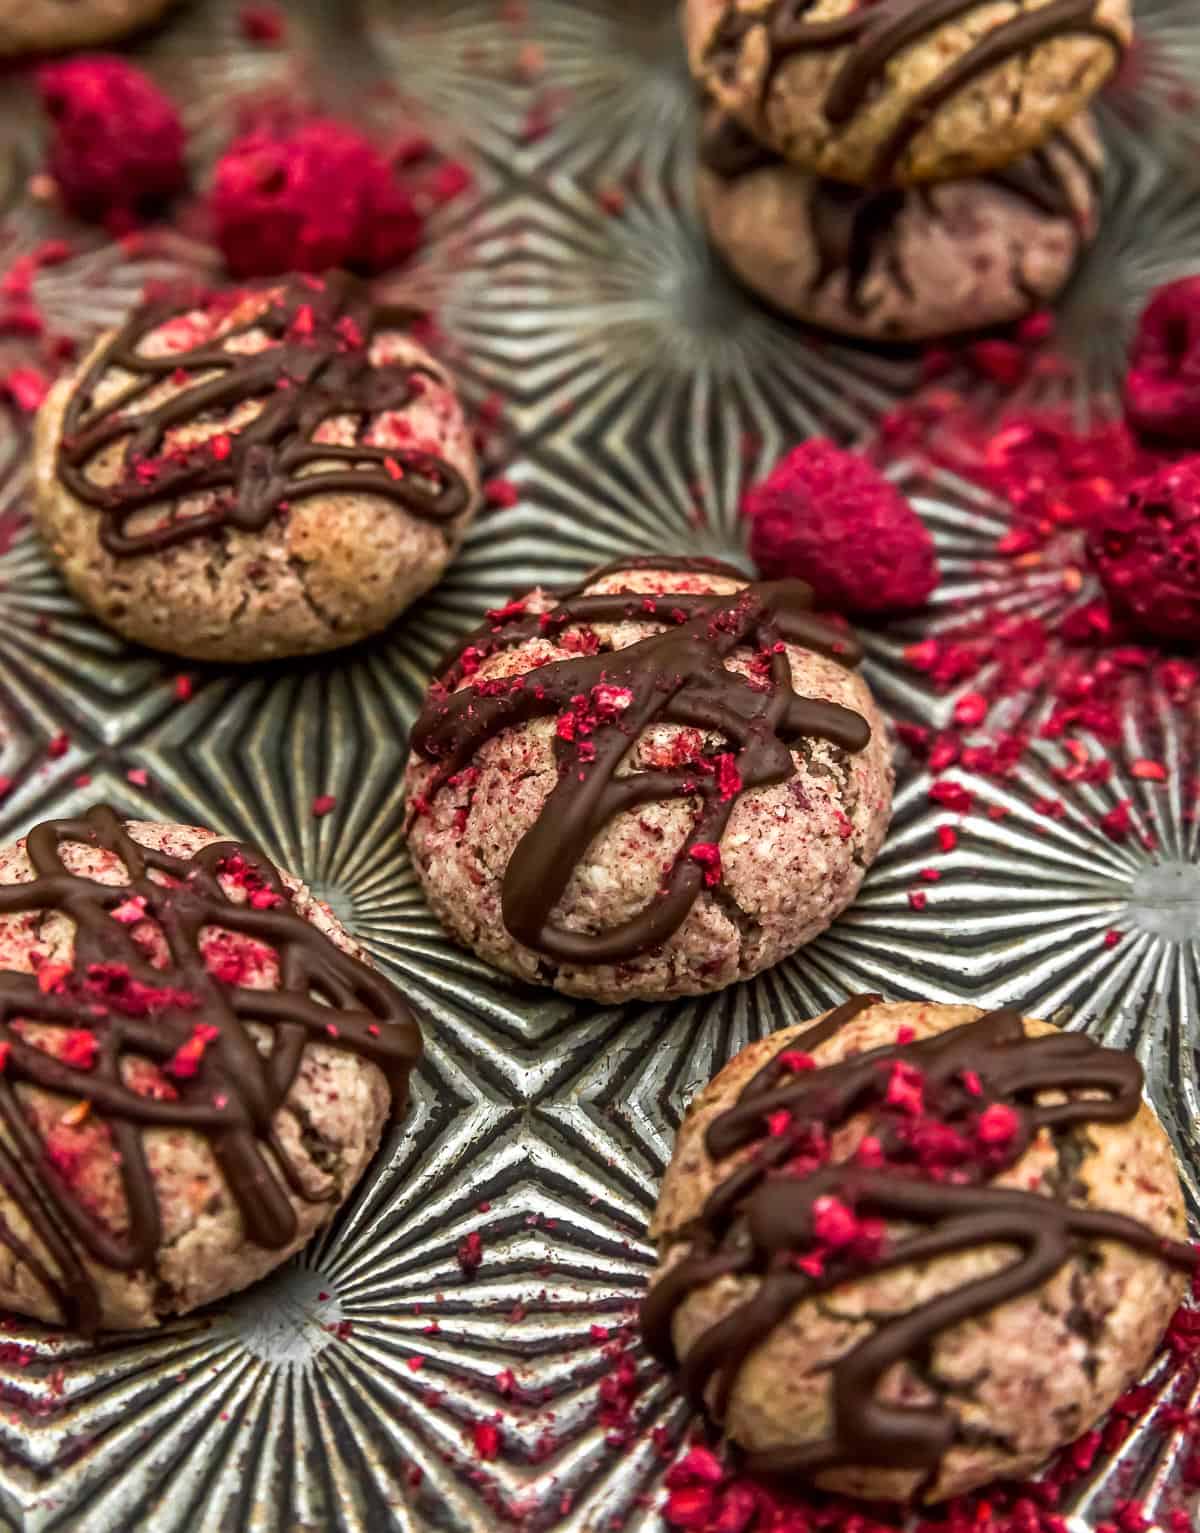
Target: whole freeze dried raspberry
[
  {"x": 307, "y": 197},
  {"x": 116, "y": 142},
  {"x": 830, "y": 518}
]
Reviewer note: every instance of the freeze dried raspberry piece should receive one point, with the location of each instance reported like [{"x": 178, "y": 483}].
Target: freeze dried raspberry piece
[
  {"x": 829, "y": 517},
  {"x": 1162, "y": 387},
  {"x": 116, "y": 142},
  {"x": 942, "y": 1130},
  {"x": 309, "y": 196},
  {"x": 1146, "y": 549}
]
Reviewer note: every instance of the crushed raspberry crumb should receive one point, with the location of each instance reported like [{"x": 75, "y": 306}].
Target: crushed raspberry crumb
[
  {"x": 79, "y": 1049},
  {"x": 116, "y": 147},
  {"x": 323, "y": 804},
  {"x": 970, "y": 710},
  {"x": 833, "y": 1222},
  {"x": 951, "y": 795},
  {"x": 186, "y": 1060},
  {"x": 138, "y": 776},
  {"x": 830, "y": 518},
  {"x": 905, "y": 1088},
  {"x": 470, "y": 1253},
  {"x": 996, "y": 1124},
  {"x": 918, "y": 899},
  {"x": 708, "y": 855},
  {"x": 262, "y": 23},
  {"x": 1118, "y": 822},
  {"x": 501, "y": 493},
  {"x": 487, "y": 1439},
  {"x": 27, "y": 387}
]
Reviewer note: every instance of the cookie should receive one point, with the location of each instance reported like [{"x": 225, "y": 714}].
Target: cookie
[
  {"x": 196, "y": 1065},
  {"x": 653, "y": 785},
  {"x": 901, "y": 91},
  {"x": 47, "y": 26},
  {"x": 274, "y": 470},
  {"x": 907, "y": 1249},
  {"x": 903, "y": 264}
]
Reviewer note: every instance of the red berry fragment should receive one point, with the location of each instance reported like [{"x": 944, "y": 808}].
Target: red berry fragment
[
  {"x": 26, "y": 387},
  {"x": 262, "y": 23},
  {"x": 1146, "y": 549},
  {"x": 829, "y": 517},
  {"x": 470, "y": 1253},
  {"x": 487, "y": 1439},
  {"x": 708, "y": 856},
  {"x": 1162, "y": 387},
  {"x": 116, "y": 144},
  {"x": 307, "y": 197}
]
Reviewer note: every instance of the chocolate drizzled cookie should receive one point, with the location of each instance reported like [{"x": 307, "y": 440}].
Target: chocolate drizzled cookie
[
  {"x": 827, "y": 1179},
  {"x": 677, "y": 676},
  {"x": 904, "y": 90},
  {"x": 269, "y": 470},
  {"x": 660, "y": 706},
  {"x": 161, "y": 1021}
]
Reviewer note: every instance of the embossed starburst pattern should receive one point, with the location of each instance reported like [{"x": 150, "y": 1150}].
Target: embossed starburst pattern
[{"x": 456, "y": 1352}]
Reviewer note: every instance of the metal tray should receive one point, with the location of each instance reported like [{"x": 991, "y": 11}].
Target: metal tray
[{"x": 343, "y": 1392}]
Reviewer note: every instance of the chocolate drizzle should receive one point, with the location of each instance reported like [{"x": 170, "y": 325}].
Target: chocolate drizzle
[
  {"x": 761, "y": 1217},
  {"x": 317, "y": 367},
  {"x": 677, "y": 676},
  {"x": 229, "y": 1092},
  {"x": 874, "y": 34}
]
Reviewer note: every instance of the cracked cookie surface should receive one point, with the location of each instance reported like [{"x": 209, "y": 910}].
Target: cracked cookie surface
[
  {"x": 1011, "y": 1380},
  {"x": 789, "y": 858},
  {"x": 904, "y": 264},
  {"x": 902, "y": 91},
  {"x": 178, "y": 488}
]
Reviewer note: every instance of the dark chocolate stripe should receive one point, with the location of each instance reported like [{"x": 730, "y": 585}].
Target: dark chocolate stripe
[{"x": 317, "y": 367}]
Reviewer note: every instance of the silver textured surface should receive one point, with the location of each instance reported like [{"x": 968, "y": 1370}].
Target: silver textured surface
[{"x": 633, "y": 371}]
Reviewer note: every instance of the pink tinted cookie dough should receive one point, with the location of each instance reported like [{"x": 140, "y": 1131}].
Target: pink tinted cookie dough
[
  {"x": 693, "y": 784},
  {"x": 183, "y": 492}
]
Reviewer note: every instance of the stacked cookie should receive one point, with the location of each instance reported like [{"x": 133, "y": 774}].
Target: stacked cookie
[{"x": 902, "y": 169}]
